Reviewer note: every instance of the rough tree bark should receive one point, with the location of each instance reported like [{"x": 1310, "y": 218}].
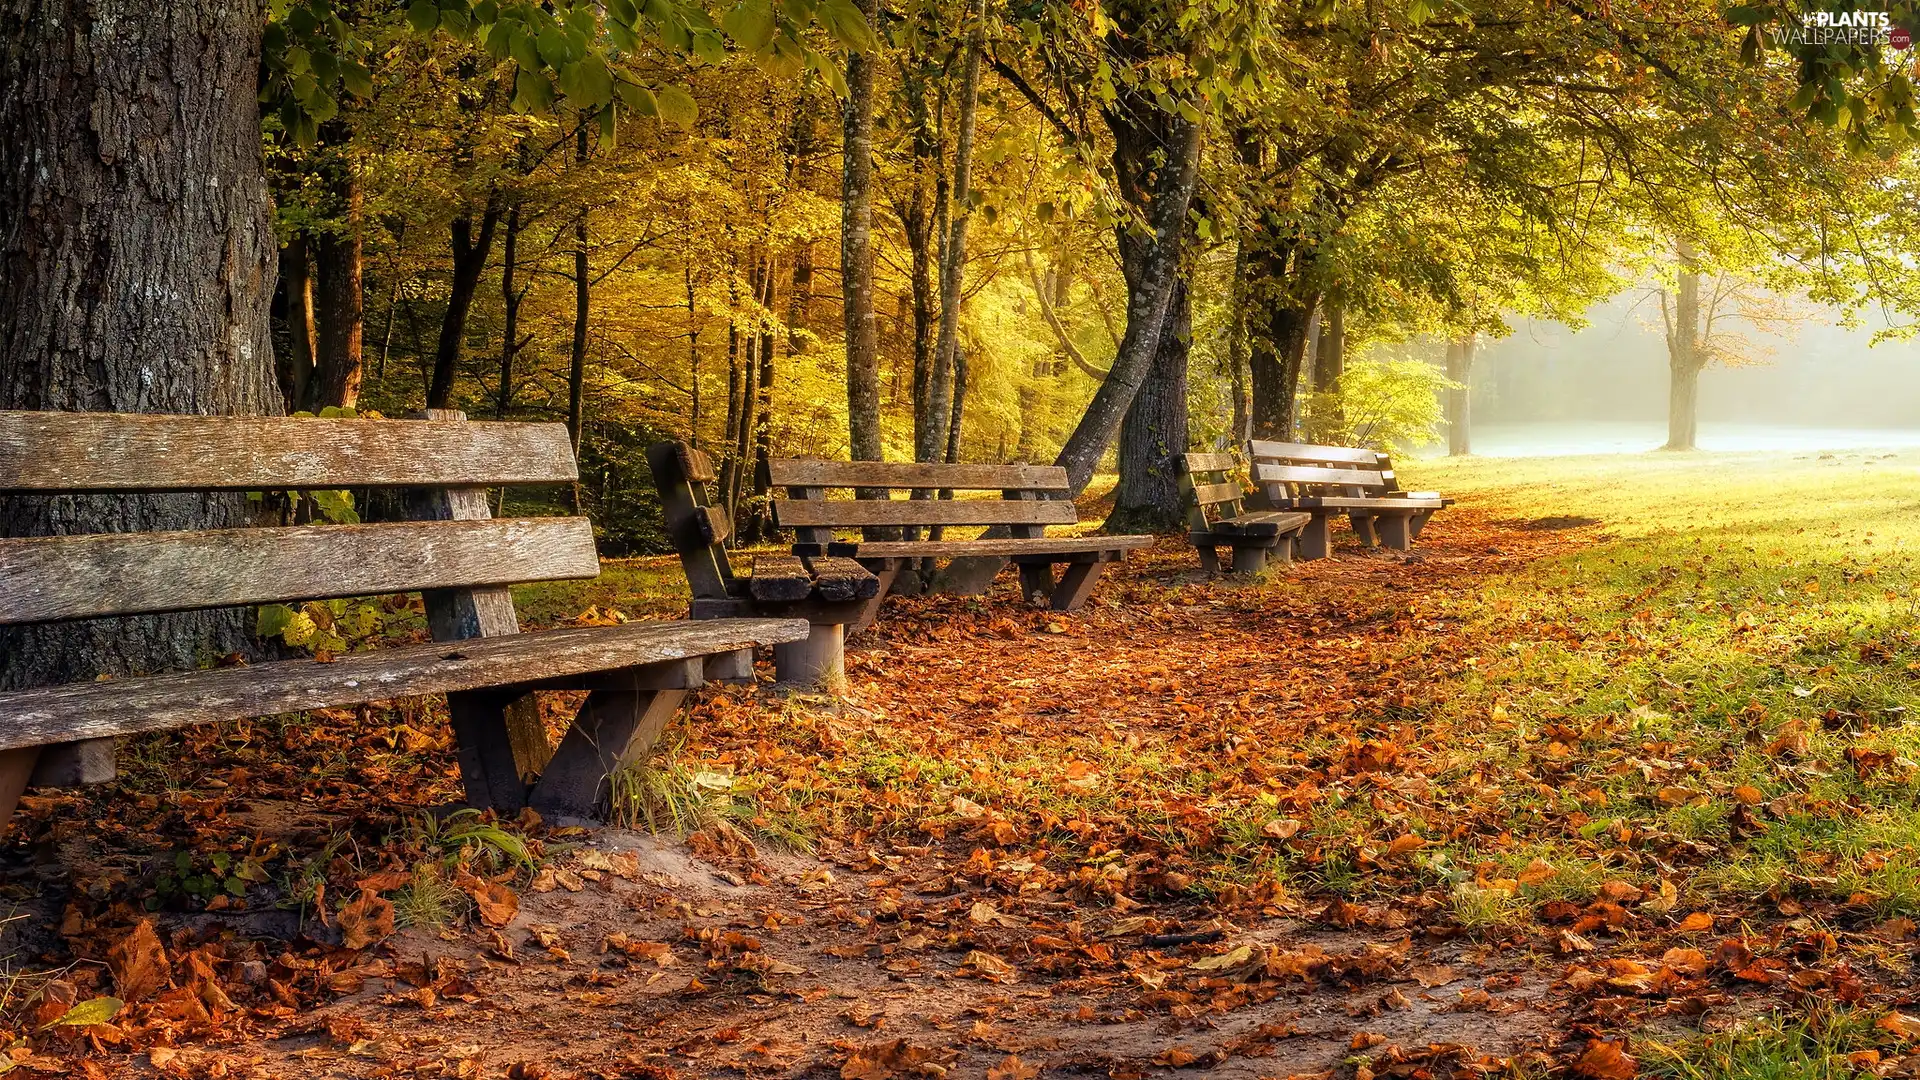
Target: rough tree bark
[
  {"x": 1460, "y": 398},
  {"x": 1330, "y": 358},
  {"x": 136, "y": 274},
  {"x": 1685, "y": 357},
  {"x": 470, "y": 251},
  {"x": 856, "y": 252},
  {"x": 582, "y": 300},
  {"x": 1147, "y": 498}
]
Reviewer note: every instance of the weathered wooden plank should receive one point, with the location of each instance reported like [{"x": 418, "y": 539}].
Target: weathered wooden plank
[
  {"x": 48, "y": 451},
  {"x": 695, "y": 464},
  {"x": 709, "y": 573},
  {"x": 1210, "y": 462},
  {"x": 1263, "y": 450},
  {"x": 854, "y": 513},
  {"x": 712, "y": 523},
  {"x": 1210, "y": 494},
  {"x": 161, "y": 702},
  {"x": 837, "y": 578},
  {"x": 1264, "y": 473},
  {"x": 792, "y": 472},
  {"x": 1065, "y": 545},
  {"x": 1266, "y": 523},
  {"x": 779, "y": 577},
  {"x": 51, "y": 578},
  {"x": 1355, "y": 502}
]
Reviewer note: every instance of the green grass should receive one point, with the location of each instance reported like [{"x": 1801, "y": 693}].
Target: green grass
[
  {"x": 1836, "y": 1045},
  {"x": 1749, "y": 618}
]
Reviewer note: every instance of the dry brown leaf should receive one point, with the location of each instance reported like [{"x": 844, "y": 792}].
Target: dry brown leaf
[
  {"x": 1606, "y": 1061},
  {"x": 1012, "y": 1068},
  {"x": 139, "y": 963},
  {"x": 365, "y": 919}
]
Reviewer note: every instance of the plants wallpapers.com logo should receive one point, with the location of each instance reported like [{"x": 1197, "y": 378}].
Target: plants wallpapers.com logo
[{"x": 1843, "y": 28}]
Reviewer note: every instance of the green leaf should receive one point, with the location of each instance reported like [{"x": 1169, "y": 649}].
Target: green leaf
[
  {"x": 751, "y": 24},
  {"x": 639, "y": 99},
  {"x": 525, "y": 52},
  {"x": 553, "y": 47},
  {"x": 357, "y": 79},
  {"x": 91, "y": 1011},
  {"x": 273, "y": 620},
  {"x": 423, "y": 15},
  {"x": 677, "y": 107}
]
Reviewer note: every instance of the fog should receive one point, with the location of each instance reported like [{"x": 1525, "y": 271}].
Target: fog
[{"x": 1548, "y": 389}]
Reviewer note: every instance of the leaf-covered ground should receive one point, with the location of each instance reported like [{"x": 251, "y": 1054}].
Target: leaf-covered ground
[{"x": 1613, "y": 775}]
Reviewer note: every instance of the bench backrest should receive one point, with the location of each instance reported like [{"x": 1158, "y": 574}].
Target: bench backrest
[
  {"x": 1031, "y": 496},
  {"x": 1210, "y": 486},
  {"x": 696, "y": 527},
  {"x": 1294, "y": 470},
  {"x": 448, "y": 547}
]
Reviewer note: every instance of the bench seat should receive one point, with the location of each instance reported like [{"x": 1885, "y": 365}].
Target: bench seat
[
  {"x": 1010, "y": 547},
  {"x": 568, "y": 659},
  {"x": 1272, "y": 523},
  {"x": 1386, "y": 504}
]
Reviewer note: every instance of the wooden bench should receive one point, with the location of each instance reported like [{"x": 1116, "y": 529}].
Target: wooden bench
[
  {"x": 830, "y": 593},
  {"x": 1031, "y": 498},
  {"x": 448, "y": 547},
  {"x": 1328, "y": 480},
  {"x": 1217, "y": 512}
]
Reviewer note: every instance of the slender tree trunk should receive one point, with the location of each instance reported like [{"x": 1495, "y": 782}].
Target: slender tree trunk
[
  {"x": 577, "y": 359},
  {"x": 1684, "y": 356},
  {"x": 1150, "y": 287},
  {"x": 294, "y": 369},
  {"x": 1460, "y": 398},
  {"x": 693, "y": 360},
  {"x": 341, "y": 304},
  {"x": 470, "y": 250},
  {"x": 136, "y": 275},
  {"x": 1330, "y": 358},
  {"x": 1237, "y": 341},
  {"x": 856, "y": 252},
  {"x": 918, "y": 224},
  {"x": 953, "y": 250},
  {"x": 1154, "y": 433},
  {"x": 959, "y": 404},
  {"x": 760, "y": 524},
  {"x": 510, "y": 296}
]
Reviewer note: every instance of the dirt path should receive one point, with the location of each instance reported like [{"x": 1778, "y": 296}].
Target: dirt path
[{"x": 930, "y": 933}]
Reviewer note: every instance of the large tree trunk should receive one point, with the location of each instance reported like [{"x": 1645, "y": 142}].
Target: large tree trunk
[
  {"x": 1330, "y": 358},
  {"x": 339, "y": 307},
  {"x": 1460, "y": 397},
  {"x": 1154, "y": 433},
  {"x": 136, "y": 274},
  {"x": 856, "y": 252},
  {"x": 470, "y": 250},
  {"x": 1274, "y": 361},
  {"x": 1165, "y": 193},
  {"x": 953, "y": 248},
  {"x": 1685, "y": 357},
  {"x": 293, "y": 369}
]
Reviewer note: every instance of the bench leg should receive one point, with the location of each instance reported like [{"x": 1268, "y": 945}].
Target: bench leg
[
  {"x": 889, "y": 573},
  {"x": 1395, "y": 531},
  {"x": 1363, "y": 527},
  {"x": 1420, "y": 522},
  {"x": 613, "y": 728},
  {"x": 1282, "y": 552},
  {"x": 1249, "y": 560},
  {"x": 821, "y": 658},
  {"x": 1036, "y": 581},
  {"x": 1209, "y": 559},
  {"x": 1316, "y": 538},
  {"x": 75, "y": 764},
  {"x": 489, "y": 768},
  {"x": 16, "y": 766},
  {"x": 1076, "y": 585}
]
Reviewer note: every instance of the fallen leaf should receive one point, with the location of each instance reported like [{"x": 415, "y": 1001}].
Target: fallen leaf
[
  {"x": 139, "y": 962},
  {"x": 1606, "y": 1061},
  {"x": 366, "y": 919}
]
